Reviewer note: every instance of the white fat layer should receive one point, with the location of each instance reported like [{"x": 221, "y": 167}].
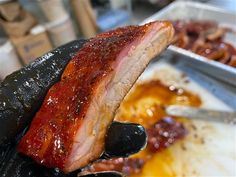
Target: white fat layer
[{"x": 111, "y": 92}]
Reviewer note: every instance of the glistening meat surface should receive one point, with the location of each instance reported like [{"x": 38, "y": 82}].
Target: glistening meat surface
[{"x": 68, "y": 131}]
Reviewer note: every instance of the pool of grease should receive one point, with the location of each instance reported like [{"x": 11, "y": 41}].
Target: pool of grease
[{"x": 145, "y": 104}]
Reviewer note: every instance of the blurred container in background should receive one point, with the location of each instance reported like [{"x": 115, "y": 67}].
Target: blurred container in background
[
  {"x": 10, "y": 11},
  {"x": 61, "y": 31},
  {"x": 33, "y": 45},
  {"x": 21, "y": 26},
  {"x": 119, "y": 14},
  {"x": 54, "y": 17},
  {"x": 9, "y": 61},
  {"x": 52, "y": 9},
  {"x": 85, "y": 17},
  {"x": 15, "y": 20},
  {"x": 59, "y": 25}
]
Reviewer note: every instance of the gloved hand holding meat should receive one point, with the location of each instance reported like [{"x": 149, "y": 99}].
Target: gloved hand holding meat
[{"x": 56, "y": 115}]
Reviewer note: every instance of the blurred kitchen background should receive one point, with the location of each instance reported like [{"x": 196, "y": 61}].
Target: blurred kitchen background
[{"x": 30, "y": 28}]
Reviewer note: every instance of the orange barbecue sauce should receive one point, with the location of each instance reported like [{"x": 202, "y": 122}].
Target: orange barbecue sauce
[{"x": 145, "y": 105}]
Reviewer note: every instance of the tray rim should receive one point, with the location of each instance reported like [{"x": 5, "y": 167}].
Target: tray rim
[
  {"x": 188, "y": 54},
  {"x": 187, "y": 3}
]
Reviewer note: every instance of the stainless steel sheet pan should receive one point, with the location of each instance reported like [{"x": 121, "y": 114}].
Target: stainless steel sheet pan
[{"x": 199, "y": 11}]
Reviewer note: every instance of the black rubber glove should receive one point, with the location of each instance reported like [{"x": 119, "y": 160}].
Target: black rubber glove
[
  {"x": 123, "y": 139},
  {"x": 21, "y": 95},
  {"x": 22, "y": 92}
]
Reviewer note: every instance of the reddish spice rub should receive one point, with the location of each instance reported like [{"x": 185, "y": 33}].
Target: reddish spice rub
[{"x": 50, "y": 137}]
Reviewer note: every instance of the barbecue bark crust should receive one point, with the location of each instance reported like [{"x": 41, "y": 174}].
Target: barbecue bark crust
[{"x": 68, "y": 132}]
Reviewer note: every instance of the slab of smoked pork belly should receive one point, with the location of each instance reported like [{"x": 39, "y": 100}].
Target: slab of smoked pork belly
[{"x": 68, "y": 131}]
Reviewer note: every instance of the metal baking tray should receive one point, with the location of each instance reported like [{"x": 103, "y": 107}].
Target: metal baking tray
[
  {"x": 197, "y": 160},
  {"x": 199, "y": 11},
  {"x": 224, "y": 92}
]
